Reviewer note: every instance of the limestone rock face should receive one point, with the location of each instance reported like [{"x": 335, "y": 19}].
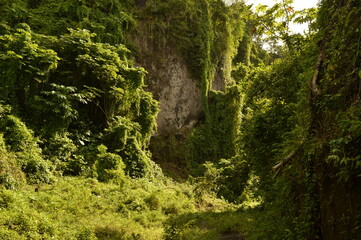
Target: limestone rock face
[
  {"x": 171, "y": 84},
  {"x": 178, "y": 94}
]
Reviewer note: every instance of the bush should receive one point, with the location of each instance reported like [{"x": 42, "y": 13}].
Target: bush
[
  {"x": 16, "y": 135},
  {"x": 109, "y": 166},
  {"x": 19, "y": 139},
  {"x": 11, "y": 175}
]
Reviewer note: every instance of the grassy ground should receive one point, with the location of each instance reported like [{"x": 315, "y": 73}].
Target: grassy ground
[{"x": 83, "y": 208}]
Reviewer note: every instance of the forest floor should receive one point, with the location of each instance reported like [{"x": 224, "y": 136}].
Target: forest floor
[
  {"x": 232, "y": 236},
  {"x": 85, "y": 209}
]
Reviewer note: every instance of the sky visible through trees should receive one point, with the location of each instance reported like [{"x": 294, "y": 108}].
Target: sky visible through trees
[{"x": 297, "y": 5}]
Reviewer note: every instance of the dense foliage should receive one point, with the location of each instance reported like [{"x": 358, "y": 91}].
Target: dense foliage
[
  {"x": 300, "y": 120},
  {"x": 280, "y": 136},
  {"x": 206, "y": 34},
  {"x": 75, "y": 93}
]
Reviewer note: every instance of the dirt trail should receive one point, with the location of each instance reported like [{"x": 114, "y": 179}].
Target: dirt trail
[{"x": 231, "y": 236}]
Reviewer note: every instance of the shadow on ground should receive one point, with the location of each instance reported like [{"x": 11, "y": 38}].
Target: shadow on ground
[{"x": 205, "y": 226}]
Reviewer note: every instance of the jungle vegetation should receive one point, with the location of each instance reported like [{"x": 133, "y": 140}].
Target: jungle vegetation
[{"x": 277, "y": 154}]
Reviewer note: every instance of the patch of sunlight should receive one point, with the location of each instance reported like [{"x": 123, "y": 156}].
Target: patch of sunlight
[{"x": 250, "y": 200}]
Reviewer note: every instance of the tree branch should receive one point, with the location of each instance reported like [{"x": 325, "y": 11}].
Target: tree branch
[
  {"x": 313, "y": 84},
  {"x": 279, "y": 166}
]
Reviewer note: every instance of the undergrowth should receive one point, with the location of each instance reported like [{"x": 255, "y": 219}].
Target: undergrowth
[{"x": 84, "y": 208}]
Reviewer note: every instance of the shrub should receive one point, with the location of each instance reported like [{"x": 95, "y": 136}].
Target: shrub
[
  {"x": 11, "y": 175},
  {"x": 109, "y": 166},
  {"x": 16, "y": 135},
  {"x": 19, "y": 139}
]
